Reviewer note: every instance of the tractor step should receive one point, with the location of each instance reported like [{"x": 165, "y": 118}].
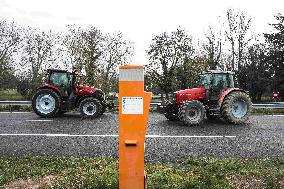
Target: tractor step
[{"x": 214, "y": 111}]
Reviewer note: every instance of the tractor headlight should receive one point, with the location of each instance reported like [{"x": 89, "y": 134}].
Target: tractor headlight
[
  {"x": 103, "y": 96},
  {"x": 174, "y": 97}
]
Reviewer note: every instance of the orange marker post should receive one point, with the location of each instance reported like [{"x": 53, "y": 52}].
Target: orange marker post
[{"x": 134, "y": 104}]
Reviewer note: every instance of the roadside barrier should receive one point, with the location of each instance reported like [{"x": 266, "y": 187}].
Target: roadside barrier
[{"x": 274, "y": 105}]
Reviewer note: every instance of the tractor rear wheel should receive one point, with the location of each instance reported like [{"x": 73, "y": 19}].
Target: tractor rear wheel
[
  {"x": 192, "y": 112},
  {"x": 171, "y": 112},
  {"x": 90, "y": 107},
  {"x": 236, "y": 107},
  {"x": 46, "y": 103}
]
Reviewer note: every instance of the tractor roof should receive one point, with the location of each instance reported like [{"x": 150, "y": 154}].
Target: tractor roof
[
  {"x": 57, "y": 70},
  {"x": 217, "y": 72}
]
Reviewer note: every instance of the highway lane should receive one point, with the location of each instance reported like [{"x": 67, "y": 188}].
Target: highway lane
[{"x": 25, "y": 134}]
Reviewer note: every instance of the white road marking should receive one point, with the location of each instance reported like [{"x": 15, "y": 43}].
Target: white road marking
[
  {"x": 55, "y": 135},
  {"x": 193, "y": 136},
  {"x": 277, "y": 115},
  {"x": 15, "y": 112},
  {"x": 114, "y": 135},
  {"x": 39, "y": 120}
]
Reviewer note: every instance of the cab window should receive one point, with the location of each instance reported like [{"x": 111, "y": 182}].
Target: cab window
[
  {"x": 220, "y": 80},
  {"x": 59, "y": 79},
  {"x": 204, "y": 81}
]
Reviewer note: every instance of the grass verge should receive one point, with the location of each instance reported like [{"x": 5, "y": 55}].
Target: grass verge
[
  {"x": 203, "y": 173},
  {"x": 10, "y": 94},
  {"x": 267, "y": 111}
]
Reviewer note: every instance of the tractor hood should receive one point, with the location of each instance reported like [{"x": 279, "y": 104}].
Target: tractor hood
[
  {"x": 85, "y": 90},
  {"x": 190, "y": 94}
]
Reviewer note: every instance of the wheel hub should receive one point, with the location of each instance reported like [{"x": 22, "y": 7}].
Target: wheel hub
[
  {"x": 89, "y": 108},
  {"x": 45, "y": 104},
  {"x": 239, "y": 108},
  {"x": 193, "y": 114}
]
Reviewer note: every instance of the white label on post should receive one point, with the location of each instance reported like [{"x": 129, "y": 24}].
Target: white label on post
[{"x": 132, "y": 105}]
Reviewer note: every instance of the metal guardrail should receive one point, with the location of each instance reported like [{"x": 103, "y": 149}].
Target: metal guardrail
[
  {"x": 272, "y": 105},
  {"x": 15, "y": 103},
  {"x": 269, "y": 106}
]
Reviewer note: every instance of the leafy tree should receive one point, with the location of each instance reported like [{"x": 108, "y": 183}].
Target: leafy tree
[
  {"x": 255, "y": 75},
  {"x": 9, "y": 44},
  {"x": 84, "y": 47},
  {"x": 36, "y": 56},
  {"x": 92, "y": 51},
  {"x": 276, "y": 54},
  {"x": 167, "y": 51},
  {"x": 188, "y": 73}
]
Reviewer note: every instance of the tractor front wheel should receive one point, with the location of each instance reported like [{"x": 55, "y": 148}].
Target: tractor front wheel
[
  {"x": 90, "y": 107},
  {"x": 103, "y": 110},
  {"x": 46, "y": 103},
  {"x": 192, "y": 112},
  {"x": 236, "y": 107}
]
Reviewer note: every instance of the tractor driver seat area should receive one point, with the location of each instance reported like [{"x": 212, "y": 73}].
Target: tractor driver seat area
[{"x": 218, "y": 85}]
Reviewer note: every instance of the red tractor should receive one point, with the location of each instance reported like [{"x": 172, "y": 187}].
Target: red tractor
[
  {"x": 216, "y": 97},
  {"x": 61, "y": 93}
]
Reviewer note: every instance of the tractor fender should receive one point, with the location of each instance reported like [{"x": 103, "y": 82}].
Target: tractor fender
[
  {"x": 52, "y": 87},
  {"x": 226, "y": 92},
  {"x": 98, "y": 94}
]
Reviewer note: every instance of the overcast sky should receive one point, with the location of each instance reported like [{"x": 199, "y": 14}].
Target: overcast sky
[{"x": 137, "y": 20}]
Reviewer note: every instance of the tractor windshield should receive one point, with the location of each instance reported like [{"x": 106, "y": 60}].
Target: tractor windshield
[
  {"x": 204, "y": 81},
  {"x": 220, "y": 80},
  {"x": 59, "y": 79}
]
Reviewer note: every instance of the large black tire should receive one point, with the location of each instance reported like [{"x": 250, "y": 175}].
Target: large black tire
[
  {"x": 171, "y": 112},
  {"x": 192, "y": 112},
  {"x": 103, "y": 110},
  {"x": 46, "y": 103},
  {"x": 90, "y": 107},
  {"x": 236, "y": 107}
]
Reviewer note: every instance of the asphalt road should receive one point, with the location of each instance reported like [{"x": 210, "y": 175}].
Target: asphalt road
[{"x": 25, "y": 134}]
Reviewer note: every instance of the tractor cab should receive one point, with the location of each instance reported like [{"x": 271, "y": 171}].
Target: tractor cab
[
  {"x": 215, "y": 82},
  {"x": 61, "y": 79}
]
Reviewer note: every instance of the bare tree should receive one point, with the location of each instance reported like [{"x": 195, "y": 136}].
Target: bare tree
[
  {"x": 72, "y": 46},
  {"x": 237, "y": 34},
  {"x": 213, "y": 47},
  {"x": 117, "y": 51},
  {"x": 9, "y": 39}
]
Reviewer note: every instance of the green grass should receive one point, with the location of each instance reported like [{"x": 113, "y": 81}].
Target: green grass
[
  {"x": 267, "y": 111},
  {"x": 16, "y": 108},
  {"x": 203, "y": 173},
  {"x": 10, "y": 94}
]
